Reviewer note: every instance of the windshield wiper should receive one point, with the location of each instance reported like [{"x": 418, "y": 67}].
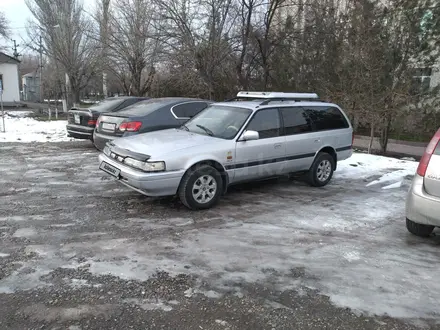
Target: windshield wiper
[
  {"x": 184, "y": 127},
  {"x": 207, "y": 130}
]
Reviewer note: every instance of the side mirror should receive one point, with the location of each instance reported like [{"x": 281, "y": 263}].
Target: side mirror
[{"x": 249, "y": 136}]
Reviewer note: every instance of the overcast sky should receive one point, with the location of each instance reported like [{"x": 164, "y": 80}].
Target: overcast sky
[{"x": 17, "y": 14}]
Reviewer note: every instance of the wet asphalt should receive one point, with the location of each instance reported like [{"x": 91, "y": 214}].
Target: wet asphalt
[{"x": 80, "y": 251}]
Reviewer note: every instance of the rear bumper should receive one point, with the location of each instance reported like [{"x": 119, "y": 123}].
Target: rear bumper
[
  {"x": 79, "y": 132},
  {"x": 100, "y": 140},
  {"x": 421, "y": 207},
  {"x": 149, "y": 184}
]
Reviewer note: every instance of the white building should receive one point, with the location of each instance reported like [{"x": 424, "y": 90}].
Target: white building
[
  {"x": 9, "y": 79},
  {"x": 30, "y": 83}
]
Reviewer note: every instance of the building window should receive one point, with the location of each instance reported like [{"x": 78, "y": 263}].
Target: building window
[{"x": 421, "y": 81}]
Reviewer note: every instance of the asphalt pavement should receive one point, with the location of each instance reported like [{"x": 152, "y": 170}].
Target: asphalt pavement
[
  {"x": 80, "y": 251},
  {"x": 395, "y": 148}
]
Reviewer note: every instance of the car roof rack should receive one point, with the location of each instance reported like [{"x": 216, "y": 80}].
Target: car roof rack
[{"x": 275, "y": 96}]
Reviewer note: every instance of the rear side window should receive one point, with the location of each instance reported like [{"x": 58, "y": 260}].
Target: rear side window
[
  {"x": 295, "y": 121},
  {"x": 326, "y": 118},
  {"x": 266, "y": 123},
  {"x": 188, "y": 109}
]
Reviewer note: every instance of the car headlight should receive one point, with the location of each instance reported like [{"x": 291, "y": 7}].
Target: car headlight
[
  {"x": 145, "y": 166},
  {"x": 106, "y": 151}
]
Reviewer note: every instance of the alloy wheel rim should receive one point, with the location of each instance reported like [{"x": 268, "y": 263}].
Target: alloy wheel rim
[
  {"x": 204, "y": 189},
  {"x": 324, "y": 170}
]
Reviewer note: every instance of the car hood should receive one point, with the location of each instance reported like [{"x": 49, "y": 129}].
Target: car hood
[{"x": 155, "y": 144}]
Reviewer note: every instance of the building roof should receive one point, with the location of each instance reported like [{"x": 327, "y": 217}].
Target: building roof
[
  {"x": 8, "y": 59},
  {"x": 32, "y": 74}
]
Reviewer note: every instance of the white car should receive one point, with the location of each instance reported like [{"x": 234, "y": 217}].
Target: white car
[{"x": 255, "y": 136}]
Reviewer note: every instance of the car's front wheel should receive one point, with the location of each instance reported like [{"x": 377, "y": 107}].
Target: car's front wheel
[
  {"x": 201, "y": 188},
  {"x": 418, "y": 229},
  {"x": 322, "y": 169}
]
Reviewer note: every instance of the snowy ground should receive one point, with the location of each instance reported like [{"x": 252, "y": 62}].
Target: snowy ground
[
  {"x": 68, "y": 228},
  {"x": 23, "y": 129}
]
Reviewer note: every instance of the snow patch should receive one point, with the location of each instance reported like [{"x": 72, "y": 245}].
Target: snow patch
[
  {"x": 362, "y": 166},
  {"x": 78, "y": 283},
  {"x": 398, "y": 184},
  {"x": 151, "y": 304},
  {"x": 394, "y": 177},
  {"x": 25, "y": 232},
  {"x": 24, "y": 129},
  {"x": 209, "y": 294},
  {"x": 351, "y": 255}
]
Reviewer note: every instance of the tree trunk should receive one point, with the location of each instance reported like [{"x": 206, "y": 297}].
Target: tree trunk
[
  {"x": 104, "y": 85},
  {"x": 370, "y": 145},
  {"x": 75, "y": 91},
  {"x": 136, "y": 81},
  {"x": 210, "y": 89},
  {"x": 384, "y": 136}
]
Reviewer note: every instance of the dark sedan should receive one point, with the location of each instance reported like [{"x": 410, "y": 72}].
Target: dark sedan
[
  {"x": 146, "y": 116},
  {"x": 81, "y": 121}
]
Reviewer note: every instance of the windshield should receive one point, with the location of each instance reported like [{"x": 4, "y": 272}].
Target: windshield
[
  {"x": 106, "y": 105},
  {"x": 219, "y": 121}
]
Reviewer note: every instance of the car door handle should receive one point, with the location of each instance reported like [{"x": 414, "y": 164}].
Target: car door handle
[
  {"x": 318, "y": 140},
  {"x": 277, "y": 145}
]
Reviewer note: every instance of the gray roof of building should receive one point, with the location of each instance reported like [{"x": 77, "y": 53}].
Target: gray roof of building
[{"x": 8, "y": 59}]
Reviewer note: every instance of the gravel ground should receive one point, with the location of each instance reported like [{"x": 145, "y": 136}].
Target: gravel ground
[{"x": 79, "y": 251}]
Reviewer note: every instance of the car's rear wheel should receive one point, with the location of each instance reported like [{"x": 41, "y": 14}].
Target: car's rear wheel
[
  {"x": 201, "y": 188},
  {"x": 418, "y": 229},
  {"x": 321, "y": 171}
]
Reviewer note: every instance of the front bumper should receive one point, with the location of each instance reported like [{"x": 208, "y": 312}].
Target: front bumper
[
  {"x": 421, "y": 207},
  {"x": 80, "y": 132},
  {"x": 149, "y": 184}
]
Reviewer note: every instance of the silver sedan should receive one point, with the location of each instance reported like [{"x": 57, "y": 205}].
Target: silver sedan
[{"x": 423, "y": 201}]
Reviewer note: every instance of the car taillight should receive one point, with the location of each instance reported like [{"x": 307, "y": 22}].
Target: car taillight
[
  {"x": 97, "y": 121},
  {"x": 131, "y": 126},
  {"x": 91, "y": 122},
  {"x": 424, "y": 162}
]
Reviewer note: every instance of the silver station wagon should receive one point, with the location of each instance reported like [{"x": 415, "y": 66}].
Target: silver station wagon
[{"x": 254, "y": 136}]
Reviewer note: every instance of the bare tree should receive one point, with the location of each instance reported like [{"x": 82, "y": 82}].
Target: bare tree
[
  {"x": 246, "y": 10},
  {"x": 130, "y": 44},
  {"x": 63, "y": 27},
  {"x": 410, "y": 37},
  {"x": 103, "y": 18},
  {"x": 4, "y": 25},
  {"x": 200, "y": 32}
]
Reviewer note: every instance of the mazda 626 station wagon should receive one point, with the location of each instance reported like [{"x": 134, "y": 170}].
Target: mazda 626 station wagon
[{"x": 257, "y": 135}]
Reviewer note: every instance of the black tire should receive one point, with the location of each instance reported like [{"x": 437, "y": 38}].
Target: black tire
[
  {"x": 312, "y": 175},
  {"x": 189, "y": 179},
  {"x": 418, "y": 229}
]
